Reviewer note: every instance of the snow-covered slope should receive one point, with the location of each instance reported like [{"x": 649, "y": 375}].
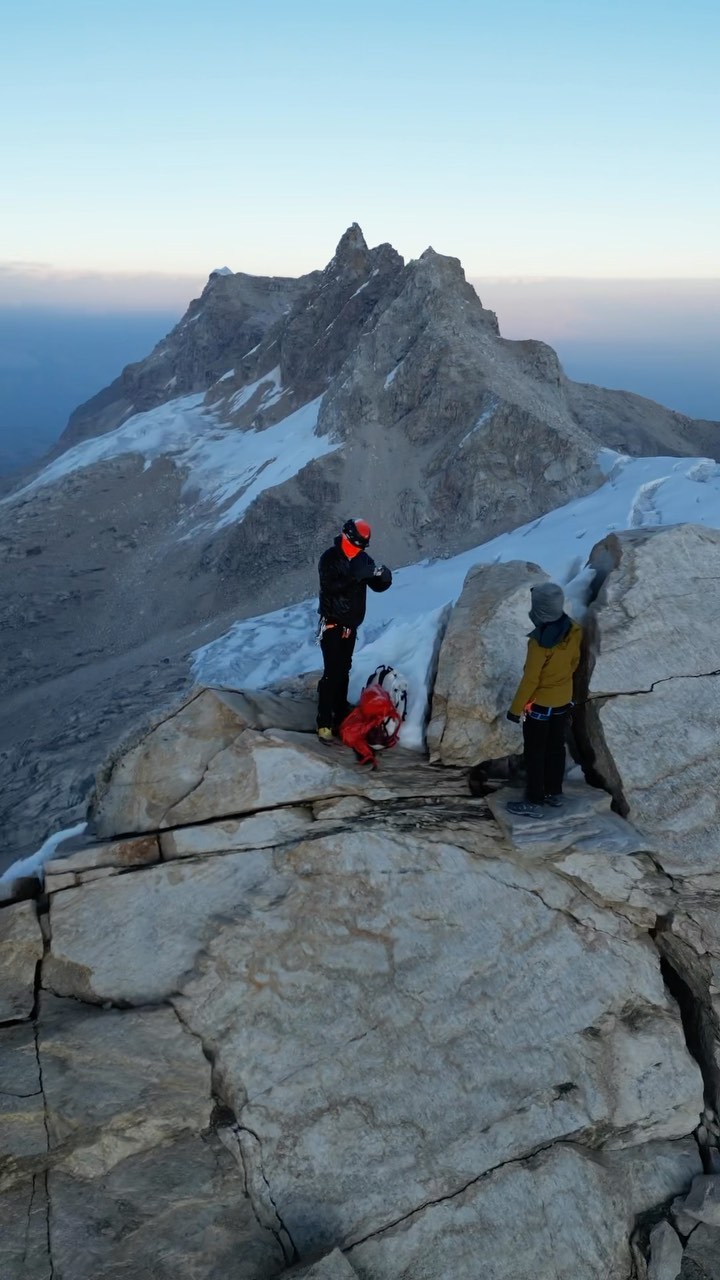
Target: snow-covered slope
[
  {"x": 404, "y": 626},
  {"x": 222, "y": 466}
]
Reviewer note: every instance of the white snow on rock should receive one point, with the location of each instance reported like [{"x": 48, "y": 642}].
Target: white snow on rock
[
  {"x": 34, "y": 863},
  {"x": 273, "y": 391},
  {"x": 246, "y": 463},
  {"x": 226, "y": 466},
  {"x": 404, "y": 626}
]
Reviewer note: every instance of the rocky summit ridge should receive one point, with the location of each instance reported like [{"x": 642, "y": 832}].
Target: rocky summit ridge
[
  {"x": 285, "y": 1017},
  {"x": 202, "y": 484}
]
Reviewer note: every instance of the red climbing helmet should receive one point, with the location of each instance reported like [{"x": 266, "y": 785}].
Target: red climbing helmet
[{"x": 357, "y": 532}]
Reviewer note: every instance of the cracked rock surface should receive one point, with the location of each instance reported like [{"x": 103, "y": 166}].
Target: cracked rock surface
[
  {"x": 654, "y": 687},
  {"x": 368, "y": 1032}
]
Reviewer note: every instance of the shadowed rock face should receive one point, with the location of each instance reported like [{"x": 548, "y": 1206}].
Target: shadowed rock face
[{"x": 442, "y": 433}]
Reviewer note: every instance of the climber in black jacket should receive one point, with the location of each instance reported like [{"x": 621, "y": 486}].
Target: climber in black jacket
[{"x": 346, "y": 571}]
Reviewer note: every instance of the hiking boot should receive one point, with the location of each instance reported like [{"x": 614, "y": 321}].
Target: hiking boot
[
  {"x": 325, "y": 735},
  {"x": 555, "y": 802},
  {"x": 524, "y": 809}
]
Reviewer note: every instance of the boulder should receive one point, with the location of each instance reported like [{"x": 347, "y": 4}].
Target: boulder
[
  {"x": 480, "y": 664},
  {"x": 701, "y": 1260},
  {"x": 666, "y": 1253},
  {"x": 214, "y": 757},
  {"x": 703, "y": 1200},
  {"x": 21, "y": 946},
  {"x": 683, "y": 1225},
  {"x": 650, "y": 726}
]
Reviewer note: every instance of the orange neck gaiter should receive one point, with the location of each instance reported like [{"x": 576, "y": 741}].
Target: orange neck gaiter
[{"x": 348, "y": 549}]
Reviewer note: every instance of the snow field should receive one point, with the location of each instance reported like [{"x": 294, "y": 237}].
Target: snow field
[{"x": 227, "y": 467}]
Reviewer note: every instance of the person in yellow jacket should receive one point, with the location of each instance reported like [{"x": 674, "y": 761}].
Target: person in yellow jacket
[{"x": 544, "y": 699}]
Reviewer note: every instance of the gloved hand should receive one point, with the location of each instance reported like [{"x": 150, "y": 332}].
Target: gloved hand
[
  {"x": 384, "y": 575},
  {"x": 511, "y": 716}
]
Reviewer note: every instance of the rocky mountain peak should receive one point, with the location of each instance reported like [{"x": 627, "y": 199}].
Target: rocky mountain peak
[
  {"x": 439, "y": 274},
  {"x": 351, "y": 249}
]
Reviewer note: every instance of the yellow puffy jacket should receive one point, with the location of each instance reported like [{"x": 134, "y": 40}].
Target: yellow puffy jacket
[{"x": 548, "y": 675}]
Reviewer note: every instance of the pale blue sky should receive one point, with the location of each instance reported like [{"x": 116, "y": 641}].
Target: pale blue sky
[{"x": 563, "y": 138}]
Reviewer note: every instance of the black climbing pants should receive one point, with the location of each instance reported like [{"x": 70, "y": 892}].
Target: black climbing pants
[
  {"x": 337, "y": 652},
  {"x": 545, "y": 755}
]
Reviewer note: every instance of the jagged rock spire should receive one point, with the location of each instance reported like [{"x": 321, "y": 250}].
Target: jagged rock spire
[
  {"x": 352, "y": 253},
  {"x": 352, "y": 241}
]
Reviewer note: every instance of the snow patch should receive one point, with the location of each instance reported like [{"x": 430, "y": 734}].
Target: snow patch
[
  {"x": 392, "y": 375},
  {"x": 169, "y": 429},
  {"x": 274, "y": 386},
  {"x": 34, "y": 863},
  {"x": 222, "y": 271},
  {"x": 485, "y": 417},
  {"x": 644, "y": 509},
  {"x": 229, "y": 464}
]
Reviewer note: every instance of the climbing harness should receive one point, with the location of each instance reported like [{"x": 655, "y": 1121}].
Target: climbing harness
[{"x": 324, "y": 625}]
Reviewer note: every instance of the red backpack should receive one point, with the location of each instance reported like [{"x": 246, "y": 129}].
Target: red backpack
[{"x": 373, "y": 710}]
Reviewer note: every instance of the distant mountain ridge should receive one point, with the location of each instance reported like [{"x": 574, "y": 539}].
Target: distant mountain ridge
[
  {"x": 233, "y": 313},
  {"x": 201, "y": 485}
]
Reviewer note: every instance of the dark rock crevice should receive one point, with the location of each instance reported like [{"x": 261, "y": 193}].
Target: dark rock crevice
[
  {"x": 45, "y": 1175},
  {"x": 687, "y": 978}
]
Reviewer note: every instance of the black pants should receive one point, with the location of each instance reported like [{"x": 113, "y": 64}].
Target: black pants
[
  {"x": 544, "y": 756},
  {"x": 337, "y": 655}
]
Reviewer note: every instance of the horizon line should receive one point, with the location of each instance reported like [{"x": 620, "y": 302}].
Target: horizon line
[{"x": 38, "y": 269}]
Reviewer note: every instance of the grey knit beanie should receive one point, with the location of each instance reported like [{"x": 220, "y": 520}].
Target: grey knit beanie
[{"x": 548, "y": 602}]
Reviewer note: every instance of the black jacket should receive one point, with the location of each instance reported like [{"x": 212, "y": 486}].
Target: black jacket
[{"x": 344, "y": 584}]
